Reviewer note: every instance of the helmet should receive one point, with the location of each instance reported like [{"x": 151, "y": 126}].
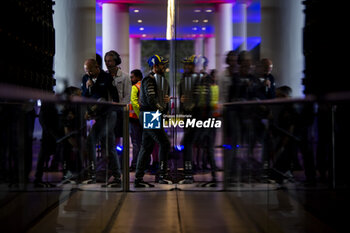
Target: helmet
[
  {"x": 202, "y": 60},
  {"x": 190, "y": 60},
  {"x": 156, "y": 59}
]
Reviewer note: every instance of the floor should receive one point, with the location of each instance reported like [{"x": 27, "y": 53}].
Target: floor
[
  {"x": 174, "y": 208},
  {"x": 243, "y": 207}
]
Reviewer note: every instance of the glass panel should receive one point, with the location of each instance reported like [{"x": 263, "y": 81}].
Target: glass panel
[
  {"x": 257, "y": 159},
  {"x": 47, "y": 150},
  {"x": 199, "y": 165},
  {"x": 280, "y": 158}
]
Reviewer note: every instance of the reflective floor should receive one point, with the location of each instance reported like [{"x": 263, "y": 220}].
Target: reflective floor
[
  {"x": 75, "y": 209},
  {"x": 250, "y": 205},
  {"x": 253, "y": 207}
]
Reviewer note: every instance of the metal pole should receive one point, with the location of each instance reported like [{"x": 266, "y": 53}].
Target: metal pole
[
  {"x": 224, "y": 139},
  {"x": 126, "y": 178}
]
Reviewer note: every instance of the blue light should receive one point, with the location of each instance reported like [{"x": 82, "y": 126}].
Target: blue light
[
  {"x": 99, "y": 45},
  {"x": 149, "y": 29},
  {"x": 189, "y": 30},
  {"x": 254, "y": 12},
  {"x": 236, "y": 14},
  {"x": 99, "y": 13},
  {"x": 237, "y": 41},
  {"x": 119, "y": 148},
  {"x": 179, "y": 147},
  {"x": 237, "y": 146},
  {"x": 252, "y": 42},
  {"x": 229, "y": 147}
]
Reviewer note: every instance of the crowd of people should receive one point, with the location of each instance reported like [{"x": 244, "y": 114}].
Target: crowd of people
[{"x": 201, "y": 94}]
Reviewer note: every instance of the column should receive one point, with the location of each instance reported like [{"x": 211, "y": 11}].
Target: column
[
  {"x": 135, "y": 53},
  {"x": 75, "y": 40},
  {"x": 209, "y": 52},
  {"x": 223, "y": 33},
  {"x": 241, "y": 10},
  {"x": 282, "y": 23},
  {"x": 198, "y": 46},
  {"x": 115, "y": 31}
]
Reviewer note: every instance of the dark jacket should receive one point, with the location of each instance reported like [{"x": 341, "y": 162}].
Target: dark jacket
[
  {"x": 262, "y": 92},
  {"x": 102, "y": 88},
  {"x": 189, "y": 87},
  {"x": 149, "y": 95}
]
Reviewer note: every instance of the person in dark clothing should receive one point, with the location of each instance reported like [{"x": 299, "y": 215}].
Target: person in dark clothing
[
  {"x": 242, "y": 118},
  {"x": 50, "y": 122},
  {"x": 227, "y": 77},
  {"x": 149, "y": 102},
  {"x": 74, "y": 130},
  {"x": 189, "y": 92},
  {"x": 208, "y": 96},
  {"x": 99, "y": 60},
  {"x": 266, "y": 81},
  {"x": 288, "y": 127},
  {"x": 303, "y": 130},
  {"x": 244, "y": 83},
  {"x": 97, "y": 84}
]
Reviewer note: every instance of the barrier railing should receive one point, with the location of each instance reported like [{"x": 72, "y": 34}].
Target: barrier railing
[
  {"x": 324, "y": 117},
  {"x": 14, "y": 95}
]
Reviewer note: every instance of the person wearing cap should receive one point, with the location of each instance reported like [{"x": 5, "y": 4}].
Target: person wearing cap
[
  {"x": 150, "y": 102},
  {"x": 189, "y": 99},
  {"x": 164, "y": 99},
  {"x": 189, "y": 81}
]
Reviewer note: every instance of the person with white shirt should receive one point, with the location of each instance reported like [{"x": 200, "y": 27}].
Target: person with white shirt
[{"x": 122, "y": 82}]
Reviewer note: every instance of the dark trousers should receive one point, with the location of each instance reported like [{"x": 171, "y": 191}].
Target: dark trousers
[
  {"x": 206, "y": 140},
  {"x": 103, "y": 130},
  {"x": 48, "y": 147},
  {"x": 190, "y": 136},
  {"x": 149, "y": 138},
  {"x": 136, "y": 138}
]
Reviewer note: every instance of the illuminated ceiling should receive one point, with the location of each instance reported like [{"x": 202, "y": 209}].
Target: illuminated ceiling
[{"x": 194, "y": 18}]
